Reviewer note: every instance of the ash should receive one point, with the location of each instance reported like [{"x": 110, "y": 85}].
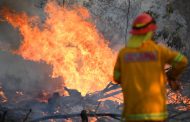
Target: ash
[
  {"x": 100, "y": 106},
  {"x": 69, "y": 107}
]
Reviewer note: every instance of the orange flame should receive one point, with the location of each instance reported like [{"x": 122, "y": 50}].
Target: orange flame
[
  {"x": 3, "y": 98},
  {"x": 69, "y": 42}
]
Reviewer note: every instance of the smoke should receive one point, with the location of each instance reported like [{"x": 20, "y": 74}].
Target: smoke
[
  {"x": 110, "y": 17},
  {"x": 10, "y": 37},
  {"x": 31, "y": 7},
  {"x": 17, "y": 74}
]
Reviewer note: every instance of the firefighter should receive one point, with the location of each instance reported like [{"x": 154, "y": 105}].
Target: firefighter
[{"x": 139, "y": 70}]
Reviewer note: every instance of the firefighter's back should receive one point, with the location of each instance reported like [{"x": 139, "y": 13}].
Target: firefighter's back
[{"x": 143, "y": 81}]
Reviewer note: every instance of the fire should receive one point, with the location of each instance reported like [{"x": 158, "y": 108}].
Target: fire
[
  {"x": 177, "y": 98},
  {"x": 3, "y": 98},
  {"x": 69, "y": 42}
]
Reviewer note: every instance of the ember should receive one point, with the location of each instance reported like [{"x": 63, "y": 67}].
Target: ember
[{"x": 3, "y": 98}]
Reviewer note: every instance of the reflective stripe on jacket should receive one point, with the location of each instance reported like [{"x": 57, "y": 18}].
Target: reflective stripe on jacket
[{"x": 140, "y": 71}]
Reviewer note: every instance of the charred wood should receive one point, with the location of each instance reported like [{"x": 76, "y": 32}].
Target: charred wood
[
  {"x": 84, "y": 116},
  {"x": 27, "y": 115}
]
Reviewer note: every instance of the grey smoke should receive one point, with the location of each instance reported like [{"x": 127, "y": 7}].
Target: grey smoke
[
  {"x": 31, "y": 78},
  {"x": 16, "y": 73},
  {"x": 9, "y": 36},
  {"x": 110, "y": 17}
]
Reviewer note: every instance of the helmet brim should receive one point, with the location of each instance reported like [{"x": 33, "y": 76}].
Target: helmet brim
[{"x": 151, "y": 27}]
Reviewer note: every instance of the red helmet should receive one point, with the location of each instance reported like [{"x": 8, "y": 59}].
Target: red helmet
[{"x": 142, "y": 24}]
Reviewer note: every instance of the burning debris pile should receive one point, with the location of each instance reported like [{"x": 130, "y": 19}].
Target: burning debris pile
[
  {"x": 179, "y": 102},
  {"x": 66, "y": 107},
  {"x": 104, "y": 105},
  {"x": 67, "y": 41},
  {"x": 78, "y": 55}
]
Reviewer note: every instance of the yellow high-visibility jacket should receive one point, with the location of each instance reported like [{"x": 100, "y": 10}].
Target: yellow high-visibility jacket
[{"x": 140, "y": 72}]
